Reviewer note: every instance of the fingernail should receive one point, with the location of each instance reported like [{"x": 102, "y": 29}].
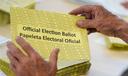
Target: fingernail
[
  {"x": 19, "y": 39},
  {"x": 8, "y": 43},
  {"x": 57, "y": 49},
  {"x": 80, "y": 23}
]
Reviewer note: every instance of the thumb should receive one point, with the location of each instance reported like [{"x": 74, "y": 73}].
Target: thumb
[
  {"x": 86, "y": 23},
  {"x": 53, "y": 61}
]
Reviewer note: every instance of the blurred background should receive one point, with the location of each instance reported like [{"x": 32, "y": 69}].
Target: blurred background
[{"x": 105, "y": 61}]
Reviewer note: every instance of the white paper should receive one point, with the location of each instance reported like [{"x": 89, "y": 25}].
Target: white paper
[
  {"x": 3, "y": 40},
  {"x": 2, "y": 73}
]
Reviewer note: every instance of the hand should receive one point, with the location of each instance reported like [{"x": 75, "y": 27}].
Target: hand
[
  {"x": 98, "y": 19},
  {"x": 31, "y": 64}
]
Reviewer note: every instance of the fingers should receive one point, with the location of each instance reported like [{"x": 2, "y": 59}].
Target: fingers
[
  {"x": 88, "y": 15},
  {"x": 53, "y": 60},
  {"x": 13, "y": 60},
  {"x": 90, "y": 25},
  {"x": 13, "y": 68},
  {"x": 54, "y": 56},
  {"x": 122, "y": 33},
  {"x": 25, "y": 46},
  {"x": 86, "y": 24},
  {"x": 15, "y": 52},
  {"x": 82, "y": 9}
]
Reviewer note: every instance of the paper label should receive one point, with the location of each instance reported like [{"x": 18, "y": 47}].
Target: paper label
[{"x": 50, "y": 35}]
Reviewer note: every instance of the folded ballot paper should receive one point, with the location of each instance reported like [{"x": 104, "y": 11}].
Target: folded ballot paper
[
  {"x": 47, "y": 30},
  {"x": 5, "y": 8},
  {"x": 116, "y": 43},
  {"x": 4, "y": 69}
]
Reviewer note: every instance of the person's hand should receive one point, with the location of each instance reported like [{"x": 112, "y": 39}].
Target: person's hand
[
  {"x": 98, "y": 19},
  {"x": 31, "y": 63}
]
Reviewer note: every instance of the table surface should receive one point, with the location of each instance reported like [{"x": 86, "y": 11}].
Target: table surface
[{"x": 105, "y": 62}]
